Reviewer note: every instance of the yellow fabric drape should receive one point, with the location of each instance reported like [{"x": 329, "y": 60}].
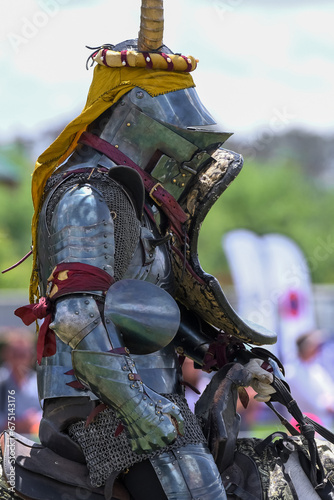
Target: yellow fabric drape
[{"x": 107, "y": 87}]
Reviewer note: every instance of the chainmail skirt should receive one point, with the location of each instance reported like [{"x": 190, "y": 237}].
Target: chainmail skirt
[{"x": 106, "y": 453}]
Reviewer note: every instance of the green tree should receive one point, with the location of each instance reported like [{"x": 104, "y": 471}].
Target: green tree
[
  {"x": 273, "y": 198},
  {"x": 15, "y": 220}
]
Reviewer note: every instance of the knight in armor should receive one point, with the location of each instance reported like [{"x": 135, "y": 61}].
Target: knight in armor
[{"x": 119, "y": 200}]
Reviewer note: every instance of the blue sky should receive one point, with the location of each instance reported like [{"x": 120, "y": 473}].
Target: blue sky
[{"x": 261, "y": 67}]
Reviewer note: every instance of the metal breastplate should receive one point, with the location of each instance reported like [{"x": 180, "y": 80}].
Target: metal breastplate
[{"x": 150, "y": 263}]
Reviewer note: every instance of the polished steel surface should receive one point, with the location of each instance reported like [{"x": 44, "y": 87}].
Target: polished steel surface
[
  {"x": 161, "y": 371},
  {"x": 189, "y": 473},
  {"x": 52, "y": 375},
  {"x": 77, "y": 316},
  {"x": 82, "y": 230},
  {"x": 181, "y": 108},
  {"x": 147, "y": 316}
]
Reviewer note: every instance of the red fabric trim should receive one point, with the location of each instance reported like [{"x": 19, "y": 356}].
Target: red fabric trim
[
  {"x": 192, "y": 387},
  {"x": 216, "y": 355},
  {"x": 119, "y": 430},
  {"x": 170, "y": 65},
  {"x": 70, "y": 372},
  {"x": 189, "y": 65},
  {"x": 93, "y": 414},
  {"x": 46, "y": 342},
  {"x": 148, "y": 60},
  {"x": 76, "y": 385},
  {"x": 124, "y": 57},
  {"x": 17, "y": 263},
  {"x": 104, "y": 53},
  {"x": 81, "y": 277},
  {"x": 120, "y": 350}
]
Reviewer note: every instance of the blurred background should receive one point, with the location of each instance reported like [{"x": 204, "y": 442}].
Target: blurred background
[{"x": 265, "y": 72}]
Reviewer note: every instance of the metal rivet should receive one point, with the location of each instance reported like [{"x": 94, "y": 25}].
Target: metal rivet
[
  {"x": 128, "y": 124},
  {"x": 96, "y": 321},
  {"x": 116, "y": 146},
  {"x": 76, "y": 312},
  {"x": 106, "y": 256},
  {"x": 174, "y": 181},
  {"x": 86, "y": 301},
  {"x": 182, "y": 185},
  {"x": 108, "y": 321},
  {"x": 139, "y": 95},
  {"x": 91, "y": 315},
  {"x": 106, "y": 245},
  {"x": 131, "y": 376}
]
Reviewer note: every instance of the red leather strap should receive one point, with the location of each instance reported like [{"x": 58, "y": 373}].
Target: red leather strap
[{"x": 156, "y": 191}]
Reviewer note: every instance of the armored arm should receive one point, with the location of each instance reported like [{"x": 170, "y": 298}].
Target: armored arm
[{"x": 82, "y": 233}]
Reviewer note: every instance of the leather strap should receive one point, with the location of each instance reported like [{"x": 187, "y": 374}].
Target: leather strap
[
  {"x": 238, "y": 492},
  {"x": 155, "y": 190}
]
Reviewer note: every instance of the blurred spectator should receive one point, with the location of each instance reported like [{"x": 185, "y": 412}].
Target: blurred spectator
[
  {"x": 326, "y": 355},
  {"x": 194, "y": 378},
  {"x": 18, "y": 380},
  {"x": 310, "y": 383}
]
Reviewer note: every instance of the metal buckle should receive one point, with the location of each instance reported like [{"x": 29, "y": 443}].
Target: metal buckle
[{"x": 155, "y": 187}]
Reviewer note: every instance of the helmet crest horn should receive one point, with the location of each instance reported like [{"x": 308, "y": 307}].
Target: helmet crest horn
[{"x": 150, "y": 36}]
